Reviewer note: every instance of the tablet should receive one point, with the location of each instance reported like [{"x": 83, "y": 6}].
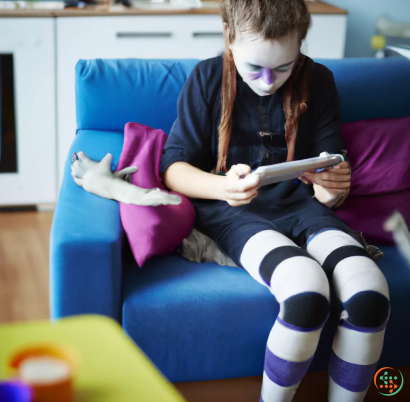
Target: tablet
[{"x": 292, "y": 170}]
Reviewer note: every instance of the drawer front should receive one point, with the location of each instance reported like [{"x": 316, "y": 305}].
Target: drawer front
[{"x": 142, "y": 36}]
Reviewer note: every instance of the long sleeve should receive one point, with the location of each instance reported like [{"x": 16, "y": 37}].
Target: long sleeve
[
  {"x": 190, "y": 139},
  {"x": 328, "y": 136}
]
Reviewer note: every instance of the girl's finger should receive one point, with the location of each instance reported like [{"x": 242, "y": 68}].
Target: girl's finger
[
  {"x": 242, "y": 185},
  {"x": 343, "y": 165},
  {"x": 241, "y": 170},
  {"x": 319, "y": 178},
  {"x": 335, "y": 185},
  {"x": 333, "y": 177},
  {"x": 248, "y": 183},
  {"x": 236, "y": 203},
  {"x": 308, "y": 178},
  {"x": 243, "y": 196},
  {"x": 339, "y": 171},
  {"x": 302, "y": 179}
]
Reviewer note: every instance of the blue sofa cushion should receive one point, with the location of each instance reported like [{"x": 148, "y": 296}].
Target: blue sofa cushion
[
  {"x": 112, "y": 93},
  {"x": 372, "y": 88},
  {"x": 200, "y": 322}
]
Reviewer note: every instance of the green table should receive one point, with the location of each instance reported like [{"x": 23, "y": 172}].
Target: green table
[{"x": 111, "y": 368}]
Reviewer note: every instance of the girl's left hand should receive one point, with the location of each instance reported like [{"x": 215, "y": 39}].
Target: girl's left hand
[{"x": 330, "y": 186}]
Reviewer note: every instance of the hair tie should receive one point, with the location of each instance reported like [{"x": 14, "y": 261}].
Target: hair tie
[{"x": 303, "y": 107}]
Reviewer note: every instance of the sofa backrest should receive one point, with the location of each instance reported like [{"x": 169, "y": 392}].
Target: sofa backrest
[
  {"x": 111, "y": 93},
  {"x": 372, "y": 88}
]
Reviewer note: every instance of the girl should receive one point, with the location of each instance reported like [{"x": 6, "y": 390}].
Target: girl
[{"x": 262, "y": 103}]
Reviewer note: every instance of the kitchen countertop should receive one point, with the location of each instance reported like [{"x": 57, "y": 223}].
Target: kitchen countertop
[{"x": 208, "y": 8}]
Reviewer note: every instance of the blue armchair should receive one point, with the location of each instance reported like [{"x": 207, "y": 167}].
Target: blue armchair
[{"x": 196, "y": 322}]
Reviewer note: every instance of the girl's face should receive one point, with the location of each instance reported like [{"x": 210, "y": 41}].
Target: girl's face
[{"x": 265, "y": 65}]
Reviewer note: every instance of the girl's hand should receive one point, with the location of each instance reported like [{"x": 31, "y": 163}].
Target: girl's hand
[
  {"x": 238, "y": 191},
  {"x": 331, "y": 185}
]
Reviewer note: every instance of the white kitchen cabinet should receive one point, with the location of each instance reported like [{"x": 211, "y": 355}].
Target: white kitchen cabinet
[
  {"x": 31, "y": 42},
  {"x": 326, "y": 37}
]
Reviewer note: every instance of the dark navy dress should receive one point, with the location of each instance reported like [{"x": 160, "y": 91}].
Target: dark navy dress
[{"x": 287, "y": 207}]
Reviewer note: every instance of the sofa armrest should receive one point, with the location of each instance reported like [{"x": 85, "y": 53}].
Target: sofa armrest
[{"x": 86, "y": 240}]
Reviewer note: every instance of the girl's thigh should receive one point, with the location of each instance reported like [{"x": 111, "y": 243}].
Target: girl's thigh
[
  {"x": 232, "y": 234},
  {"x": 355, "y": 276}
]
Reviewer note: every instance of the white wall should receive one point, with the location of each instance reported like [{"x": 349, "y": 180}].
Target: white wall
[{"x": 363, "y": 15}]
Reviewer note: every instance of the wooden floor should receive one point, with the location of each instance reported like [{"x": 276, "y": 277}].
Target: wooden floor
[
  {"x": 24, "y": 246},
  {"x": 24, "y": 276},
  {"x": 312, "y": 389}
]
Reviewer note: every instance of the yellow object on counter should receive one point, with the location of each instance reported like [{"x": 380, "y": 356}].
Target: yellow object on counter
[
  {"x": 102, "y": 363},
  {"x": 378, "y": 42}
]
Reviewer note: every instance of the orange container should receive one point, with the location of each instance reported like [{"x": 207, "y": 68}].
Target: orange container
[{"x": 48, "y": 369}]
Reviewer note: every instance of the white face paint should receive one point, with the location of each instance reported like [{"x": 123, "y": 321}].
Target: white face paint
[{"x": 265, "y": 65}]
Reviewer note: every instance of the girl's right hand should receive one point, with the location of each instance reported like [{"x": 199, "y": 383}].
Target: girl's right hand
[{"x": 237, "y": 190}]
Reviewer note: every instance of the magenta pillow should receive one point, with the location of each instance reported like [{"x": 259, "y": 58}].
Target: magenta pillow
[
  {"x": 379, "y": 153},
  {"x": 367, "y": 214},
  {"x": 151, "y": 230}
]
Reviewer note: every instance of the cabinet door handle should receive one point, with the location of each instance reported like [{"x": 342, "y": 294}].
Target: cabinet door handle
[
  {"x": 132, "y": 35},
  {"x": 207, "y": 34}
]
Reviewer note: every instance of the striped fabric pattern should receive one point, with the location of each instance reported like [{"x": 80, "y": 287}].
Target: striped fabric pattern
[
  {"x": 363, "y": 290},
  {"x": 302, "y": 290},
  {"x": 297, "y": 279}
]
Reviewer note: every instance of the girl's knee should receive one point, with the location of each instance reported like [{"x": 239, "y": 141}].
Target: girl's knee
[
  {"x": 367, "y": 309},
  {"x": 306, "y": 311},
  {"x": 364, "y": 292},
  {"x": 299, "y": 285}
]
